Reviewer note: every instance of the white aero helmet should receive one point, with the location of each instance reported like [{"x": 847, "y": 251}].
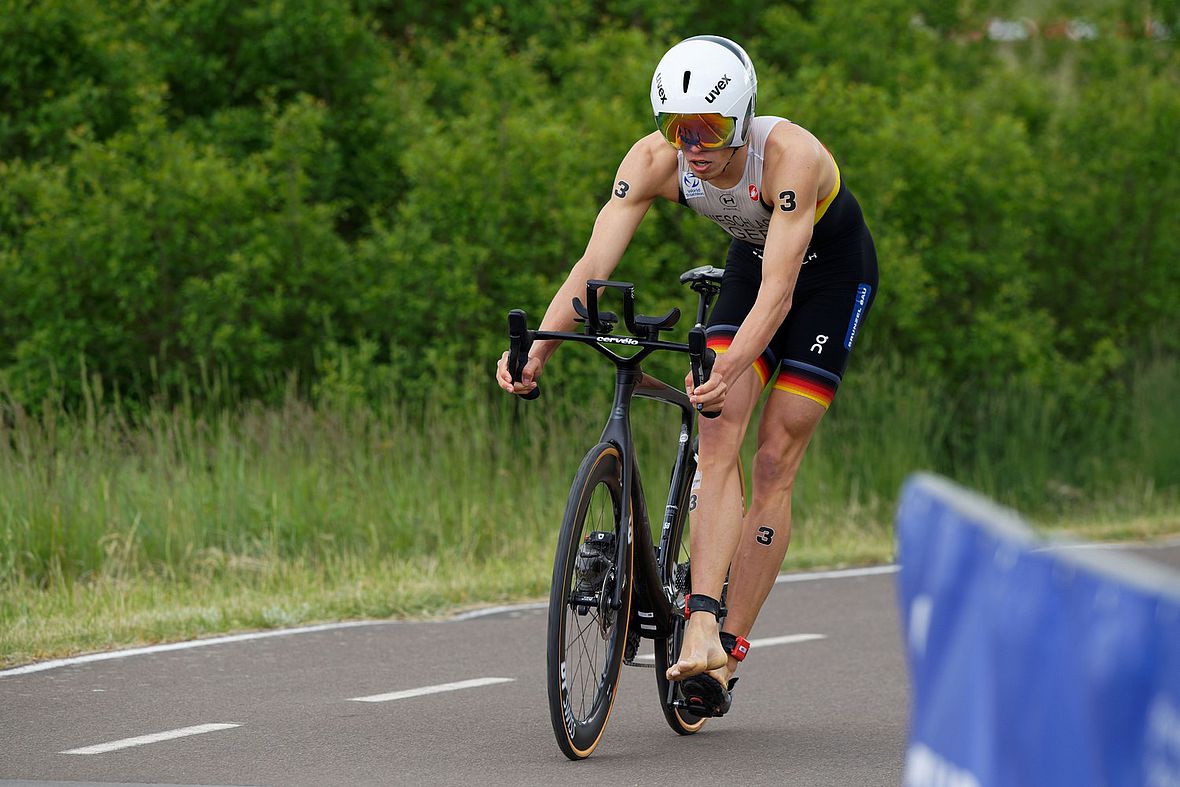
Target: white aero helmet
[{"x": 703, "y": 93}]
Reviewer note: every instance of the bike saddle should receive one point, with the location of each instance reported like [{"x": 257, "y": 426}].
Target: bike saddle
[{"x": 705, "y": 273}]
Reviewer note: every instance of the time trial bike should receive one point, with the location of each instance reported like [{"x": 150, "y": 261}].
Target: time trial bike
[{"x": 613, "y": 583}]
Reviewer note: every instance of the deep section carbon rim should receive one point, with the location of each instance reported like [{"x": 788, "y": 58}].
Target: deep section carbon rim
[{"x": 586, "y": 636}]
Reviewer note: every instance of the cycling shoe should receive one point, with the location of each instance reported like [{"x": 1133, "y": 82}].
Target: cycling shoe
[{"x": 704, "y": 695}]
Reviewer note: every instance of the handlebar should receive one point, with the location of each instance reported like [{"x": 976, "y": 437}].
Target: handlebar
[
  {"x": 520, "y": 340},
  {"x": 645, "y": 330}
]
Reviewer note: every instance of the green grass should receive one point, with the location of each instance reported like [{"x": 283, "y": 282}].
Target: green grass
[{"x": 118, "y": 530}]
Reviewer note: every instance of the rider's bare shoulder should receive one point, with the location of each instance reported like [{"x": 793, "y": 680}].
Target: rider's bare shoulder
[
  {"x": 797, "y": 160},
  {"x": 790, "y": 141},
  {"x": 651, "y": 168}
]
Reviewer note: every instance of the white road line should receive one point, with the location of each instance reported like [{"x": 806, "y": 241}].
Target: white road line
[
  {"x": 156, "y": 737},
  {"x": 789, "y": 639},
  {"x": 196, "y": 643},
  {"x": 841, "y": 574},
  {"x": 477, "y": 613},
  {"x": 807, "y": 576},
  {"x": 402, "y": 695}
]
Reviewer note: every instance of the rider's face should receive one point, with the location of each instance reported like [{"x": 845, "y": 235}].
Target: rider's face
[{"x": 706, "y": 164}]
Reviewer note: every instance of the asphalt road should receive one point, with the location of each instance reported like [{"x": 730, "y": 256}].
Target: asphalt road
[{"x": 827, "y": 710}]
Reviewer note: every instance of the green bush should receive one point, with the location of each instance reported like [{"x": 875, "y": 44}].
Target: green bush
[{"x": 261, "y": 191}]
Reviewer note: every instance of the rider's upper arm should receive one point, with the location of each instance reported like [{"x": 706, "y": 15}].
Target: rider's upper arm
[
  {"x": 794, "y": 167},
  {"x": 644, "y": 174},
  {"x": 791, "y": 181}
]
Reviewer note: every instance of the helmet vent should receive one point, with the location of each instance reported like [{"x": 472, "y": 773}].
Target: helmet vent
[{"x": 687, "y": 76}]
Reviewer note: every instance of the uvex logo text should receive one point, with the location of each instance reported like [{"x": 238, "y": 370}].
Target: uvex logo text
[
  {"x": 660, "y": 88},
  {"x": 716, "y": 91}
]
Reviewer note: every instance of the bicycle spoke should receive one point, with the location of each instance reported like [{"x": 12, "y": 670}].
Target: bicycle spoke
[
  {"x": 580, "y": 640},
  {"x": 589, "y": 677},
  {"x": 586, "y": 649},
  {"x": 583, "y": 673},
  {"x": 583, "y": 636},
  {"x": 587, "y": 670}
]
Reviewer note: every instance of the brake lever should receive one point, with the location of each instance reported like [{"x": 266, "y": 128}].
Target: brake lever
[
  {"x": 701, "y": 359},
  {"x": 520, "y": 340}
]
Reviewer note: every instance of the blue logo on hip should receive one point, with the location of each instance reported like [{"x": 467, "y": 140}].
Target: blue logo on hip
[{"x": 858, "y": 312}]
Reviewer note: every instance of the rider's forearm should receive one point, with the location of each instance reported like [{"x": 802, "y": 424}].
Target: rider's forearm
[
  {"x": 756, "y": 331},
  {"x": 781, "y": 263},
  {"x": 560, "y": 314}
]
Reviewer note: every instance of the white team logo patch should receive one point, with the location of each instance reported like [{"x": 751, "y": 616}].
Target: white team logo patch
[{"x": 692, "y": 186}]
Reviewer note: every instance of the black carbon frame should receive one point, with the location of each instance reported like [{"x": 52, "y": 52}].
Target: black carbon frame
[{"x": 652, "y": 581}]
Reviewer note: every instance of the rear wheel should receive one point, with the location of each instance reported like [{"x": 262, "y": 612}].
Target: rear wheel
[
  {"x": 667, "y": 651},
  {"x": 677, "y": 574},
  {"x": 586, "y": 637}
]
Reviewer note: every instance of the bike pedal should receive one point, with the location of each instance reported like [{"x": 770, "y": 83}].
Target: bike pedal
[{"x": 699, "y": 711}]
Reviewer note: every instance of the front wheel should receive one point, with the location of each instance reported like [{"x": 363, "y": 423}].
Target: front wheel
[{"x": 586, "y": 636}]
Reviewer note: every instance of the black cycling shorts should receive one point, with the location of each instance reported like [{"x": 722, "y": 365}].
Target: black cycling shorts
[{"x": 834, "y": 292}]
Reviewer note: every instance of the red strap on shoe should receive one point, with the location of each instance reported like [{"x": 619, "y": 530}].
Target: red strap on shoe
[{"x": 735, "y": 646}]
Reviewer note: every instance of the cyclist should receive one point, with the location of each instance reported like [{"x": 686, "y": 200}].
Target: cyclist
[{"x": 800, "y": 278}]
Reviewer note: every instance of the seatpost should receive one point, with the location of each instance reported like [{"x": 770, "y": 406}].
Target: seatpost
[{"x": 703, "y": 306}]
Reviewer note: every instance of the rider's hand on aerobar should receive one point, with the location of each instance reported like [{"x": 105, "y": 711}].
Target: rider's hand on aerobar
[
  {"x": 699, "y": 380},
  {"x": 708, "y": 397},
  {"x": 529, "y": 375}
]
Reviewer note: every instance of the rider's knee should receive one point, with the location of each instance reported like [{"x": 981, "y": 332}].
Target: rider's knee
[
  {"x": 774, "y": 468},
  {"x": 716, "y": 464},
  {"x": 720, "y": 441}
]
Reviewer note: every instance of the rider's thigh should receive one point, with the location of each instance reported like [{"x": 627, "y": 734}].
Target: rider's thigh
[{"x": 788, "y": 422}]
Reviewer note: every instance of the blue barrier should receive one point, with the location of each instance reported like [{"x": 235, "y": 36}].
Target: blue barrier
[{"x": 1030, "y": 663}]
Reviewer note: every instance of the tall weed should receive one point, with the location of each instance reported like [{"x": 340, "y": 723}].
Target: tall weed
[{"x": 177, "y": 492}]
